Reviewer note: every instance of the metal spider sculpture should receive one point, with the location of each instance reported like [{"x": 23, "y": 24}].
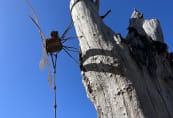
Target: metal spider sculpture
[{"x": 51, "y": 47}]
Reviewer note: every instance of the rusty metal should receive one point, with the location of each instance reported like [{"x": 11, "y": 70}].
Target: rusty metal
[{"x": 53, "y": 44}]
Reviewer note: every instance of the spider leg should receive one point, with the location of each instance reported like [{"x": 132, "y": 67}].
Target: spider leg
[
  {"x": 67, "y": 29},
  {"x": 40, "y": 31},
  {"x": 70, "y": 55},
  {"x": 68, "y": 38},
  {"x": 71, "y": 49}
]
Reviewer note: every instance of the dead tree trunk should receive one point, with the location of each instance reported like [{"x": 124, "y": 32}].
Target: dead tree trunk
[{"x": 124, "y": 78}]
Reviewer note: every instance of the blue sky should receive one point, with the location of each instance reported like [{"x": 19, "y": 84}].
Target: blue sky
[{"x": 24, "y": 90}]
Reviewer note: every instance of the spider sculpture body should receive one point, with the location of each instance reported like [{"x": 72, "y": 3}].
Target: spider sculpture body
[{"x": 53, "y": 44}]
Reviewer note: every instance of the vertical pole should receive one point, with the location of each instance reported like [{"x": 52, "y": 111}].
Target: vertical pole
[
  {"x": 54, "y": 71},
  {"x": 55, "y": 105}
]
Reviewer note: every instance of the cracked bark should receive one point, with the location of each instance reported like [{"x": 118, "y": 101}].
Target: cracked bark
[{"x": 124, "y": 78}]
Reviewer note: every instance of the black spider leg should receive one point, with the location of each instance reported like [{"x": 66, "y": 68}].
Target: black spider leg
[
  {"x": 63, "y": 40},
  {"x": 66, "y": 31},
  {"x": 70, "y": 55},
  {"x": 35, "y": 22},
  {"x": 72, "y": 49},
  {"x": 39, "y": 28},
  {"x": 68, "y": 38}
]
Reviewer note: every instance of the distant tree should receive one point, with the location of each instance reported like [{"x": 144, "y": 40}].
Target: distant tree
[{"x": 124, "y": 78}]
